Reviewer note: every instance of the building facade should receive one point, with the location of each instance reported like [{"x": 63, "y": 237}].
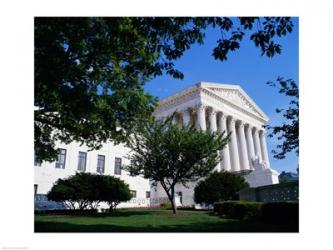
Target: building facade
[
  {"x": 108, "y": 160},
  {"x": 212, "y": 106}
]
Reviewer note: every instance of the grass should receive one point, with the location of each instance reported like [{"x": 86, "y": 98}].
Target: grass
[{"x": 152, "y": 220}]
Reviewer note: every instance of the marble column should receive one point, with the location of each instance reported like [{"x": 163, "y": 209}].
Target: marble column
[
  {"x": 263, "y": 144},
  {"x": 234, "y": 146},
  {"x": 213, "y": 128},
  {"x": 250, "y": 145},
  {"x": 201, "y": 117},
  {"x": 174, "y": 118},
  {"x": 257, "y": 144},
  {"x": 212, "y": 120},
  {"x": 243, "y": 148},
  {"x": 186, "y": 117},
  {"x": 225, "y": 152}
]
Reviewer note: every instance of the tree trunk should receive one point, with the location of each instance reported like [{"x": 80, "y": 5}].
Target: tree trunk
[
  {"x": 171, "y": 196},
  {"x": 173, "y": 200}
]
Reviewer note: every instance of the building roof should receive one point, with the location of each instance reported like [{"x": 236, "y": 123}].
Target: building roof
[{"x": 231, "y": 94}]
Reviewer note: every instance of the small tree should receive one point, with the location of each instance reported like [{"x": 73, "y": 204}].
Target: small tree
[
  {"x": 75, "y": 191},
  {"x": 169, "y": 154},
  {"x": 85, "y": 190},
  {"x": 63, "y": 192},
  {"x": 113, "y": 191},
  {"x": 219, "y": 186}
]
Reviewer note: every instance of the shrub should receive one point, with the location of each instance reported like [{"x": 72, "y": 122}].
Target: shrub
[
  {"x": 219, "y": 186},
  {"x": 76, "y": 191},
  {"x": 238, "y": 209},
  {"x": 285, "y": 213},
  {"x": 280, "y": 212},
  {"x": 86, "y": 190},
  {"x": 113, "y": 191}
]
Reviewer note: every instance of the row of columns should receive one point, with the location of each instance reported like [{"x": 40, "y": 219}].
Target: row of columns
[{"x": 246, "y": 144}]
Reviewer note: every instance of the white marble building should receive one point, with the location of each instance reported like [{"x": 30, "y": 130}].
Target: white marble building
[
  {"x": 220, "y": 107},
  {"x": 217, "y": 107},
  {"x": 107, "y": 160}
]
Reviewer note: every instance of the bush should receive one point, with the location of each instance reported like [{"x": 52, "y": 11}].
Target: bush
[
  {"x": 86, "y": 190},
  {"x": 219, "y": 186},
  {"x": 280, "y": 212},
  {"x": 238, "y": 209},
  {"x": 285, "y": 213}
]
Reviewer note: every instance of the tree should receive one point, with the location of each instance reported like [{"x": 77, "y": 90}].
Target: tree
[
  {"x": 284, "y": 177},
  {"x": 169, "y": 154},
  {"x": 86, "y": 190},
  {"x": 75, "y": 191},
  {"x": 287, "y": 177},
  {"x": 288, "y": 132},
  {"x": 113, "y": 191},
  {"x": 90, "y": 72},
  {"x": 219, "y": 186}
]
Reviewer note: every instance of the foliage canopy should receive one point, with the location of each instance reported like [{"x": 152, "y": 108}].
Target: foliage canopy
[
  {"x": 288, "y": 132},
  {"x": 169, "y": 154},
  {"x": 219, "y": 186},
  {"x": 90, "y": 71},
  {"x": 84, "y": 190}
]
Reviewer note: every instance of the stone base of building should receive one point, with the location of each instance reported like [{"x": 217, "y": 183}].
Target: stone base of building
[{"x": 262, "y": 177}]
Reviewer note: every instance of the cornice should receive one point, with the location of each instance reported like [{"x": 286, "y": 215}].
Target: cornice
[
  {"x": 203, "y": 88},
  {"x": 219, "y": 98},
  {"x": 177, "y": 99}
]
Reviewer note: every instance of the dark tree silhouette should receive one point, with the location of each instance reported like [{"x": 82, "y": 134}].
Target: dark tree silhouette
[{"x": 219, "y": 186}]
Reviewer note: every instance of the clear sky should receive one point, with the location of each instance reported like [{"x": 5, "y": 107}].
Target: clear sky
[{"x": 245, "y": 67}]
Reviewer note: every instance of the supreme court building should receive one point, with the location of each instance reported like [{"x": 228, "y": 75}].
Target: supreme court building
[{"x": 213, "y": 106}]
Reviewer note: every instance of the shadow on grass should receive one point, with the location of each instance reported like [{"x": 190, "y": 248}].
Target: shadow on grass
[
  {"x": 117, "y": 213},
  {"x": 219, "y": 226}
]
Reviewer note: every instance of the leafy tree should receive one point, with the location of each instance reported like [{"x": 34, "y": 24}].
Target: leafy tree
[
  {"x": 113, "y": 191},
  {"x": 288, "y": 132},
  {"x": 283, "y": 177},
  {"x": 287, "y": 177},
  {"x": 219, "y": 186},
  {"x": 75, "y": 191},
  {"x": 90, "y": 72},
  {"x": 84, "y": 190},
  {"x": 63, "y": 192},
  {"x": 169, "y": 154}
]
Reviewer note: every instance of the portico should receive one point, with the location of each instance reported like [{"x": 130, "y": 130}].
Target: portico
[{"x": 226, "y": 109}]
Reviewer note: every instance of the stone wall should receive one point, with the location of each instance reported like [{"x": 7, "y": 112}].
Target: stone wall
[{"x": 278, "y": 192}]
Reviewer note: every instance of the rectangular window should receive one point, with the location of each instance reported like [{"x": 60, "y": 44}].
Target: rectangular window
[
  {"x": 117, "y": 166},
  {"x": 147, "y": 194},
  {"x": 133, "y": 193},
  {"x": 35, "y": 188},
  {"x": 81, "y": 166},
  {"x": 37, "y": 162},
  {"x": 100, "y": 164},
  {"x": 60, "y": 163},
  {"x": 180, "y": 195}
]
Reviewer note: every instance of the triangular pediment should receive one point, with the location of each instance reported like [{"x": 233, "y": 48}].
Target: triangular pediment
[{"x": 236, "y": 95}]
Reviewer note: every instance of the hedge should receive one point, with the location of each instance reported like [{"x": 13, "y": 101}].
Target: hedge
[
  {"x": 280, "y": 212},
  {"x": 238, "y": 209},
  {"x": 271, "y": 212}
]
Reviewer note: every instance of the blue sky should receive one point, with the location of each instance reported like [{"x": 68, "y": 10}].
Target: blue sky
[{"x": 245, "y": 67}]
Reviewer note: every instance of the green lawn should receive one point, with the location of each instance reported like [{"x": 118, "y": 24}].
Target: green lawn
[{"x": 151, "y": 220}]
